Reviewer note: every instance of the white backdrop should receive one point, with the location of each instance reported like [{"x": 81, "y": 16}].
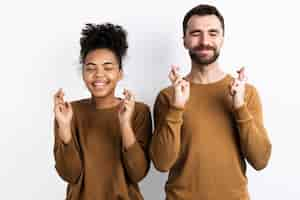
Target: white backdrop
[{"x": 39, "y": 49}]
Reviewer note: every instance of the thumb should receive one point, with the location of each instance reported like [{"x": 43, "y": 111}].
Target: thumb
[{"x": 241, "y": 73}]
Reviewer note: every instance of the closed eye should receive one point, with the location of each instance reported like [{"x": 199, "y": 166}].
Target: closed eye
[{"x": 90, "y": 67}]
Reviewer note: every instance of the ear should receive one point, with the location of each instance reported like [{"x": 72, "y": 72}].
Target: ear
[
  {"x": 184, "y": 42},
  {"x": 222, "y": 40}
]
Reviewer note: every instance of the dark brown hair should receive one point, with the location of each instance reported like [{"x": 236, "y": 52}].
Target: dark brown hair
[{"x": 202, "y": 10}]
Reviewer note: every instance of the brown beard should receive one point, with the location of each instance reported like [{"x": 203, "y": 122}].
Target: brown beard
[{"x": 200, "y": 61}]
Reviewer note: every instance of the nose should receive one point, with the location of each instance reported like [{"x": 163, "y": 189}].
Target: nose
[
  {"x": 99, "y": 72},
  {"x": 204, "y": 39}
]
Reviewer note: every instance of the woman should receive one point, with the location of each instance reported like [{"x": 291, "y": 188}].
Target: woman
[{"x": 101, "y": 143}]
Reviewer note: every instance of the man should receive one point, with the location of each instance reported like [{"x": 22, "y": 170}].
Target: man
[{"x": 207, "y": 123}]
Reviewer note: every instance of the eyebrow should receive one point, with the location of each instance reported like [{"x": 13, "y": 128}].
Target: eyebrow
[
  {"x": 210, "y": 31},
  {"x": 90, "y": 63},
  {"x": 214, "y": 31},
  {"x": 107, "y": 62},
  {"x": 104, "y": 63},
  {"x": 195, "y": 31}
]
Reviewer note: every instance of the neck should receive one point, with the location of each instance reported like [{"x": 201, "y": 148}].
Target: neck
[
  {"x": 204, "y": 74},
  {"x": 105, "y": 102}
]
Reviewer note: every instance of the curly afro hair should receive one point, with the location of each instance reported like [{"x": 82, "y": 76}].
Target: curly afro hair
[{"x": 103, "y": 36}]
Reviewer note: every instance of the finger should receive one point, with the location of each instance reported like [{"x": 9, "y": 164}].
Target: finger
[
  {"x": 56, "y": 96},
  {"x": 232, "y": 83},
  {"x": 172, "y": 76},
  {"x": 126, "y": 101},
  {"x": 130, "y": 95},
  {"x": 229, "y": 89},
  {"x": 68, "y": 105},
  {"x": 59, "y": 108},
  {"x": 59, "y": 101},
  {"x": 60, "y": 93},
  {"x": 125, "y": 93},
  {"x": 178, "y": 81},
  {"x": 232, "y": 88},
  {"x": 175, "y": 71},
  {"x": 127, "y": 96},
  {"x": 241, "y": 73},
  {"x": 236, "y": 83},
  {"x": 121, "y": 109},
  {"x": 174, "y": 66},
  {"x": 59, "y": 96},
  {"x": 60, "y": 104},
  {"x": 233, "y": 92},
  {"x": 56, "y": 109},
  {"x": 129, "y": 103},
  {"x": 185, "y": 85}
]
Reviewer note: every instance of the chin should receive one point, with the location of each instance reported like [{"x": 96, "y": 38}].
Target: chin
[{"x": 100, "y": 94}]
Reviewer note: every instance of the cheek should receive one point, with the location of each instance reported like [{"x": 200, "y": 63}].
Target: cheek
[
  {"x": 115, "y": 76},
  {"x": 193, "y": 42},
  {"x": 86, "y": 78},
  {"x": 188, "y": 42},
  {"x": 219, "y": 43}
]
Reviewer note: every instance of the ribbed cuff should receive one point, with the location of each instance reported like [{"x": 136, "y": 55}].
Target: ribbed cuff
[
  {"x": 132, "y": 150},
  {"x": 67, "y": 148}
]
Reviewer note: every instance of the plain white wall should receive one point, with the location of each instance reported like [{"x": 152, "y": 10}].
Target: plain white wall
[{"x": 39, "y": 49}]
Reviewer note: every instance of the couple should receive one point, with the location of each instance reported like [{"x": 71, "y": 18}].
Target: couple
[{"x": 206, "y": 123}]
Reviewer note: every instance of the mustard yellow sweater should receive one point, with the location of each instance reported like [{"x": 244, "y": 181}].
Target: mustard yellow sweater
[
  {"x": 204, "y": 146},
  {"x": 94, "y": 164}
]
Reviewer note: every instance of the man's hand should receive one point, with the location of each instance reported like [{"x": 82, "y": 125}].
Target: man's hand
[
  {"x": 181, "y": 87},
  {"x": 237, "y": 89}
]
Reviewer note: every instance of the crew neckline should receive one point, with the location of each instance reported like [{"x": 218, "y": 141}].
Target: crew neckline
[
  {"x": 112, "y": 108},
  {"x": 218, "y": 82}
]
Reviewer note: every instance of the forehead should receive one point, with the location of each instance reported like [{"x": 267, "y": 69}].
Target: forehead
[
  {"x": 100, "y": 55},
  {"x": 204, "y": 23}
]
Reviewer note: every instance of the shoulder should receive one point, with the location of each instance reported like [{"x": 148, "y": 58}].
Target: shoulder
[
  {"x": 142, "y": 113},
  {"x": 141, "y": 107},
  {"x": 164, "y": 95}
]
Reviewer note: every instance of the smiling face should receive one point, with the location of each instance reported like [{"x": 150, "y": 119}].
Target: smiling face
[
  {"x": 101, "y": 72},
  {"x": 204, "y": 38}
]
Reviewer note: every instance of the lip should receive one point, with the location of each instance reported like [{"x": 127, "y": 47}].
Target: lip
[
  {"x": 204, "y": 52},
  {"x": 99, "y": 83}
]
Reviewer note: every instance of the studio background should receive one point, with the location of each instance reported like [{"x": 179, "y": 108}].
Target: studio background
[{"x": 39, "y": 49}]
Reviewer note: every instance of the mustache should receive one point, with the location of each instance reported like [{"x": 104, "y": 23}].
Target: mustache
[{"x": 203, "y": 47}]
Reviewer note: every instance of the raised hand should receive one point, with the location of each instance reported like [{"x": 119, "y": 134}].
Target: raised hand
[
  {"x": 127, "y": 108},
  {"x": 181, "y": 87},
  {"x": 63, "y": 115},
  {"x": 237, "y": 88}
]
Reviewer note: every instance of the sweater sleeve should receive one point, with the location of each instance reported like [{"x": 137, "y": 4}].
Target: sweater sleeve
[
  {"x": 255, "y": 144},
  {"x": 165, "y": 144},
  {"x": 135, "y": 158},
  {"x": 67, "y": 157}
]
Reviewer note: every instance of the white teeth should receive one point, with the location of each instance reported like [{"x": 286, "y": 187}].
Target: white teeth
[{"x": 99, "y": 83}]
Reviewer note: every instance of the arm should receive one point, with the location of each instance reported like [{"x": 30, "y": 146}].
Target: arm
[
  {"x": 135, "y": 156},
  {"x": 255, "y": 144},
  {"x": 67, "y": 158},
  {"x": 165, "y": 145}
]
